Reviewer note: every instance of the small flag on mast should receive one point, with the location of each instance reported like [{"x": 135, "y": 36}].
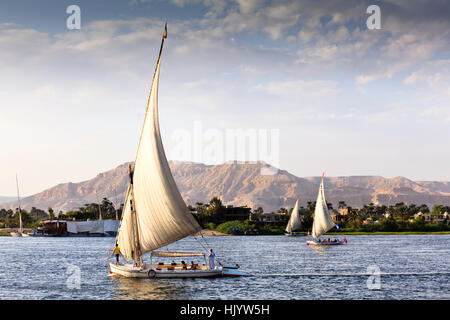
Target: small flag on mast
[{"x": 165, "y": 31}]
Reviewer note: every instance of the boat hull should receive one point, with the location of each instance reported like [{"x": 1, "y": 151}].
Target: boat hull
[
  {"x": 16, "y": 234},
  {"x": 233, "y": 272},
  {"x": 315, "y": 243},
  {"x": 148, "y": 271},
  {"x": 295, "y": 234}
]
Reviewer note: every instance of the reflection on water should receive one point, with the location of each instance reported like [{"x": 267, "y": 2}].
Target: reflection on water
[
  {"x": 411, "y": 267},
  {"x": 321, "y": 249},
  {"x": 147, "y": 289}
]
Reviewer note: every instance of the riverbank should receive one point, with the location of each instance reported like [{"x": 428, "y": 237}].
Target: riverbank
[
  {"x": 211, "y": 233},
  {"x": 385, "y": 233},
  {"x": 353, "y": 233}
]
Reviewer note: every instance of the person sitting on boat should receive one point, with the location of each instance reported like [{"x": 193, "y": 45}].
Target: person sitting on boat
[
  {"x": 117, "y": 253},
  {"x": 183, "y": 265},
  {"x": 211, "y": 257},
  {"x": 173, "y": 263},
  {"x": 193, "y": 265}
]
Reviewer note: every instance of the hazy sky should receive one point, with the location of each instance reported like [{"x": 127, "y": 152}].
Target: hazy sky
[{"x": 343, "y": 98}]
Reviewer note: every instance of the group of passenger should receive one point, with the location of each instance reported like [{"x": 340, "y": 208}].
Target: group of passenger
[
  {"x": 193, "y": 266},
  {"x": 328, "y": 240},
  {"x": 184, "y": 266}
]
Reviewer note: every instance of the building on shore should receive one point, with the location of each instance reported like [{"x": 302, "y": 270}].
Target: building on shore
[
  {"x": 230, "y": 213},
  {"x": 340, "y": 216},
  {"x": 434, "y": 218},
  {"x": 92, "y": 228},
  {"x": 270, "y": 218},
  {"x": 54, "y": 227}
]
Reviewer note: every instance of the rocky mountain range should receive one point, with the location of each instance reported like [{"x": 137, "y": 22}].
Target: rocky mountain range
[{"x": 251, "y": 184}]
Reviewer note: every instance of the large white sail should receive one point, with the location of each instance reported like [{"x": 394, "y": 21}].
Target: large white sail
[
  {"x": 161, "y": 214},
  {"x": 294, "y": 221},
  {"x": 322, "y": 219}
]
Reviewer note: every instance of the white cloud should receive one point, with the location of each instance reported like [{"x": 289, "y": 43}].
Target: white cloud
[
  {"x": 301, "y": 89},
  {"x": 250, "y": 6},
  {"x": 438, "y": 112},
  {"x": 225, "y": 69},
  {"x": 436, "y": 74}
]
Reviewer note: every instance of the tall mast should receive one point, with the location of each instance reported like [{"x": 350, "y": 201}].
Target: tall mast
[
  {"x": 18, "y": 200},
  {"x": 157, "y": 63},
  {"x": 323, "y": 191},
  {"x": 135, "y": 231}
]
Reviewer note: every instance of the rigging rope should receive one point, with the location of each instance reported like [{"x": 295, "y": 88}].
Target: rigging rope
[{"x": 220, "y": 263}]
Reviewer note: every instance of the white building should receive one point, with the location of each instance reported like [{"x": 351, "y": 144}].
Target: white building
[{"x": 96, "y": 227}]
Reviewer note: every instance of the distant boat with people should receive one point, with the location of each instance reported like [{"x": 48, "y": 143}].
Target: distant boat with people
[{"x": 322, "y": 221}]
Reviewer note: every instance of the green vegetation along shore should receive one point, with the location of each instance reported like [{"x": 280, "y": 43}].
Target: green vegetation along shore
[
  {"x": 253, "y": 228},
  {"x": 369, "y": 220},
  {"x": 398, "y": 219},
  {"x": 357, "y": 233}
]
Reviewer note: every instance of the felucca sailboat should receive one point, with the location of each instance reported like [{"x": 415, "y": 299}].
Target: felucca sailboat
[
  {"x": 294, "y": 223},
  {"x": 19, "y": 232},
  {"x": 322, "y": 221},
  {"x": 154, "y": 213}
]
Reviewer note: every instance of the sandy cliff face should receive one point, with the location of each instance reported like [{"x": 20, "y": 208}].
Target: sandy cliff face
[{"x": 243, "y": 184}]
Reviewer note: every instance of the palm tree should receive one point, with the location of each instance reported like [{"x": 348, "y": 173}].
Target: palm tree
[
  {"x": 51, "y": 214},
  {"x": 310, "y": 206},
  {"x": 259, "y": 210},
  {"x": 215, "y": 202},
  {"x": 342, "y": 205}
]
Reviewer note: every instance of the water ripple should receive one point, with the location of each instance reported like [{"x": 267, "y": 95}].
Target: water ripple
[{"x": 410, "y": 267}]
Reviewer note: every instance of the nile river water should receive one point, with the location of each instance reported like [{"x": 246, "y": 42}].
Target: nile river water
[{"x": 409, "y": 266}]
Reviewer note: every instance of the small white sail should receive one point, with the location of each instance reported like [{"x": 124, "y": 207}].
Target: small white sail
[
  {"x": 161, "y": 214},
  {"x": 294, "y": 221},
  {"x": 322, "y": 219}
]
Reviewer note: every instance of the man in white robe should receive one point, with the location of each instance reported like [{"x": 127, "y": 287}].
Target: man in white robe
[{"x": 211, "y": 257}]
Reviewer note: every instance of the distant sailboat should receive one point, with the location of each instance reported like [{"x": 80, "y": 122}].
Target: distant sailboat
[
  {"x": 294, "y": 223},
  {"x": 322, "y": 220},
  {"x": 154, "y": 213},
  {"x": 20, "y": 232}
]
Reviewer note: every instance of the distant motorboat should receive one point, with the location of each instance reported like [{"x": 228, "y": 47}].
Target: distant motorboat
[
  {"x": 37, "y": 233},
  {"x": 16, "y": 234},
  {"x": 295, "y": 234},
  {"x": 20, "y": 234}
]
